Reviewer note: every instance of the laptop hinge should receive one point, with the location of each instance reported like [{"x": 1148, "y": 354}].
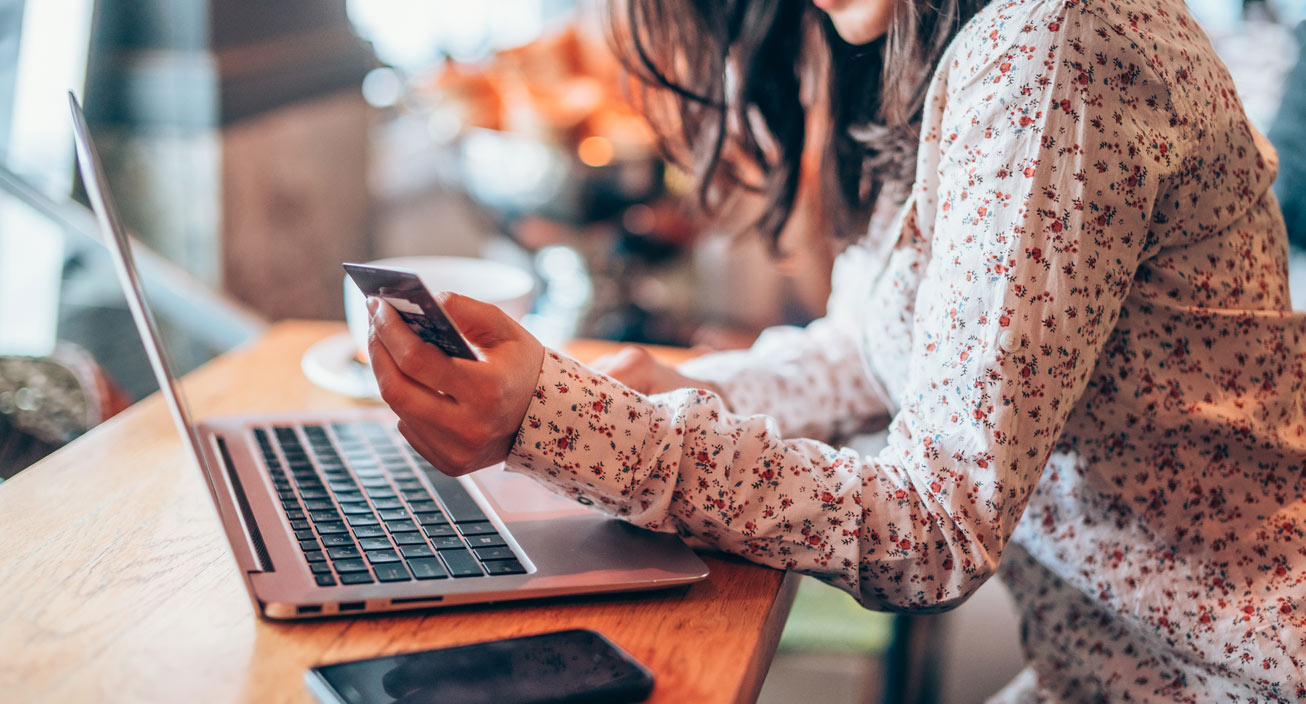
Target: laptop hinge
[{"x": 258, "y": 549}]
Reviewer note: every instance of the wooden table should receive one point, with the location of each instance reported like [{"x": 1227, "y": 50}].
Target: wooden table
[{"x": 116, "y": 583}]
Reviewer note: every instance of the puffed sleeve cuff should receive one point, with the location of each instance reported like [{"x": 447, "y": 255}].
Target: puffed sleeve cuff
[
  {"x": 761, "y": 379},
  {"x": 583, "y": 435}
]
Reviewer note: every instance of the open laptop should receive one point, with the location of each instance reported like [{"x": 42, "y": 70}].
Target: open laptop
[{"x": 333, "y": 513}]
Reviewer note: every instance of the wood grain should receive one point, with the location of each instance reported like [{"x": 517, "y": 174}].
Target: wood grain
[{"x": 118, "y": 586}]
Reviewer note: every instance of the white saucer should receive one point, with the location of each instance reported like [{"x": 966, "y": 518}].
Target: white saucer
[{"x": 332, "y": 365}]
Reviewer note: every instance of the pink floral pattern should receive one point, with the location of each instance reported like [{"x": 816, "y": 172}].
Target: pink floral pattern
[{"x": 1080, "y": 329}]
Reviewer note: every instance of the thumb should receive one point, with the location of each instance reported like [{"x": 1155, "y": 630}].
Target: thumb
[{"x": 484, "y": 324}]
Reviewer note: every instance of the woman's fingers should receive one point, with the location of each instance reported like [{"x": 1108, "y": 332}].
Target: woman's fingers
[
  {"x": 419, "y": 360},
  {"x": 630, "y": 365},
  {"x": 484, "y": 324},
  {"x": 401, "y": 392}
]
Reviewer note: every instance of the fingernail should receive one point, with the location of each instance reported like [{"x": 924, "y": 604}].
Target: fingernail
[{"x": 372, "y": 305}]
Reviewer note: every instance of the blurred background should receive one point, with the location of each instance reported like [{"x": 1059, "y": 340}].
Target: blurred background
[{"x": 253, "y": 146}]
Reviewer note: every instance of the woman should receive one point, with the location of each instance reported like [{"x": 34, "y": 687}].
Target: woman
[{"x": 1078, "y": 324}]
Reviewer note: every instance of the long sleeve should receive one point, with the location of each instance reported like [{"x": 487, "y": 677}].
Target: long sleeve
[
  {"x": 814, "y": 381},
  {"x": 1035, "y": 188}
]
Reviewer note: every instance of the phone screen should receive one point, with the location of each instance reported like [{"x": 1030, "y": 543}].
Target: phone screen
[{"x": 567, "y": 666}]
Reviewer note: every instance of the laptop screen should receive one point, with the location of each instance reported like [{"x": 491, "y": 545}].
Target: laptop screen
[{"x": 119, "y": 246}]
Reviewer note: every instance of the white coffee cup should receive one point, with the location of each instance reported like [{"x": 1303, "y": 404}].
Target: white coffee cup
[{"x": 506, "y": 286}]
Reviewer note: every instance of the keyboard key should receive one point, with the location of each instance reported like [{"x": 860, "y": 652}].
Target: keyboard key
[
  {"x": 458, "y": 503},
  {"x": 325, "y": 580},
  {"x": 306, "y": 534},
  {"x": 356, "y": 507},
  {"x": 348, "y": 552},
  {"x": 374, "y": 543},
  {"x": 409, "y": 539},
  {"x": 319, "y": 505},
  {"x": 320, "y": 567},
  {"x": 349, "y": 496},
  {"x": 319, "y": 516},
  {"x": 485, "y": 541},
  {"x": 501, "y": 567},
  {"x": 446, "y": 541},
  {"x": 300, "y": 525},
  {"x": 295, "y": 515},
  {"x": 343, "y": 566},
  {"x": 335, "y": 540},
  {"x": 427, "y": 568},
  {"x": 307, "y": 545},
  {"x": 314, "y": 494},
  {"x": 392, "y": 514},
  {"x": 411, "y": 551},
  {"x": 286, "y": 495},
  {"x": 368, "y": 531},
  {"x": 392, "y": 572},
  {"x": 400, "y": 526},
  {"x": 499, "y": 553},
  {"x": 285, "y": 435},
  {"x": 430, "y": 518},
  {"x": 415, "y": 494},
  {"x": 315, "y": 556},
  {"x": 439, "y": 529},
  {"x": 376, "y": 556},
  {"x": 421, "y": 506},
  {"x": 461, "y": 563},
  {"x": 361, "y": 519},
  {"x": 290, "y": 505},
  {"x": 331, "y": 527},
  {"x": 476, "y": 528},
  {"x": 342, "y": 485},
  {"x": 356, "y": 578}
]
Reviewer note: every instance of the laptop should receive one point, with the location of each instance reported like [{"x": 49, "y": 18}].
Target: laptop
[{"x": 331, "y": 513}]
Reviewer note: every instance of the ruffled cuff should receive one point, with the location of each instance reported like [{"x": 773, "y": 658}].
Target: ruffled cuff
[{"x": 583, "y": 434}]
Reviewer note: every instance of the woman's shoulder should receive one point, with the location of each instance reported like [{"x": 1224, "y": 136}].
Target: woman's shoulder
[
  {"x": 1041, "y": 28},
  {"x": 1027, "y": 42}
]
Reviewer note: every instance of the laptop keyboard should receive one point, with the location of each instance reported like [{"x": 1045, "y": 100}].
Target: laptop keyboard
[{"x": 362, "y": 514}]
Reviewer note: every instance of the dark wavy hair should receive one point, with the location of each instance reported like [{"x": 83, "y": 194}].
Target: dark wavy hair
[{"x": 728, "y": 85}]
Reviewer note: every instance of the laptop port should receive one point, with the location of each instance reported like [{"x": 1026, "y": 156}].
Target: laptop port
[
  {"x": 352, "y": 605},
  {"x": 314, "y": 609},
  {"x": 417, "y": 600}
]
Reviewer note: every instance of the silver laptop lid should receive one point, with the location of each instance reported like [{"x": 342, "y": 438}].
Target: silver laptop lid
[{"x": 119, "y": 246}]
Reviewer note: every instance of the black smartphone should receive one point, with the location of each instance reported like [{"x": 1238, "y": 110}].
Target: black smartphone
[
  {"x": 566, "y": 667},
  {"x": 406, "y": 292}
]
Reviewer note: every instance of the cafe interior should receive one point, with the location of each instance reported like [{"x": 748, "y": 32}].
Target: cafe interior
[{"x": 253, "y": 147}]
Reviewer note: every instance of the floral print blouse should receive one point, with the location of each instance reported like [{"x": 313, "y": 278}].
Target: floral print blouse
[{"x": 1079, "y": 328}]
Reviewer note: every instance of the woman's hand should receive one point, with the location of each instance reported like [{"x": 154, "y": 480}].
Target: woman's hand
[
  {"x": 636, "y": 368},
  {"x": 460, "y": 414}
]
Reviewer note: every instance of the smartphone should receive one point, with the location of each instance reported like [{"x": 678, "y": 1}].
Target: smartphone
[
  {"x": 566, "y": 667},
  {"x": 406, "y": 292}
]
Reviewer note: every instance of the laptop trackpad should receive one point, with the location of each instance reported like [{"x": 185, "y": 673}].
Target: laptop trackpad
[{"x": 517, "y": 497}]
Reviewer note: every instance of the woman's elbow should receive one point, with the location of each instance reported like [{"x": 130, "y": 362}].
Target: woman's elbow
[{"x": 924, "y": 590}]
